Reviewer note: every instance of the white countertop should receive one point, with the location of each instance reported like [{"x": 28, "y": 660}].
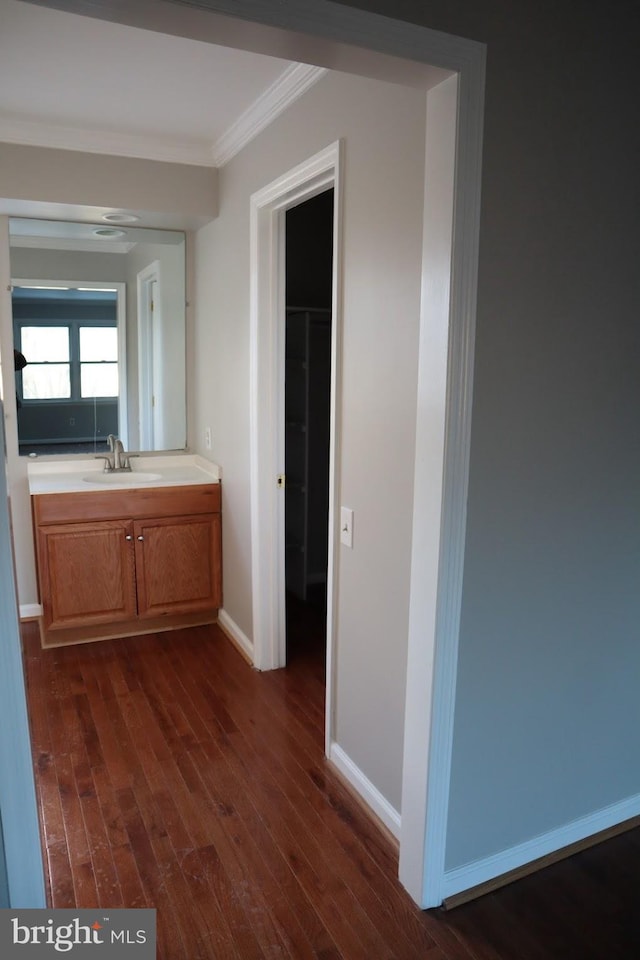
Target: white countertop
[{"x": 70, "y": 476}]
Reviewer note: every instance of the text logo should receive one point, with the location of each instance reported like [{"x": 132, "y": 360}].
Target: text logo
[{"x": 27, "y": 934}]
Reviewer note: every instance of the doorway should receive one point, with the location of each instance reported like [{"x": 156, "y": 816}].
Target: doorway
[
  {"x": 420, "y": 46},
  {"x": 149, "y": 321},
  {"x": 317, "y": 175},
  {"x": 308, "y": 296}
]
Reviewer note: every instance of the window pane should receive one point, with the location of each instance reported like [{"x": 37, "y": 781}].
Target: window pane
[
  {"x": 98, "y": 379},
  {"x": 49, "y": 381},
  {"x": 45, "y": 344},
  {"x": 98, "y": 343}
]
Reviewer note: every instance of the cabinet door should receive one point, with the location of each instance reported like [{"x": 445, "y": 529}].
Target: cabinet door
[
  {"x": 178, "y": 564},
  {"x": 87, "y": 573}
]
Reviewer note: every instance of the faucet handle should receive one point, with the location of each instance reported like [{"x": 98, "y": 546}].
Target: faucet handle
[
  {"x": 108, "y": 461},
  {"x": 125, "y": 458}
]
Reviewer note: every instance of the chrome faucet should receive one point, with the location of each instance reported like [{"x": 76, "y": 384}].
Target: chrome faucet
[
  {"x": 117, "y": 460},
  {"x": 122, "y": 458}
]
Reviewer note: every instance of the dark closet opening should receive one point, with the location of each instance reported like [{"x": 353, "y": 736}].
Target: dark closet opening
[{"x": 309, "y": 281}]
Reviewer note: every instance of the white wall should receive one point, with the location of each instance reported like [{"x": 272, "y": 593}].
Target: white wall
[{"x": 383, "y": 127}]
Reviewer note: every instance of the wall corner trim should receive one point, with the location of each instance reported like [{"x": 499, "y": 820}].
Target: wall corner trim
[
  {"x": 488, "y": 868},
  {"x": 363, "y": 786},
  {"x": 235, "y": 634}
]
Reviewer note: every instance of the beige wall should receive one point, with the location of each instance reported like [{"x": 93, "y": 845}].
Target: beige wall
[
  {"x": 171, "y": 194},
  {"x": 37, "y": 264},
  {"x": 383, "y": 128}
]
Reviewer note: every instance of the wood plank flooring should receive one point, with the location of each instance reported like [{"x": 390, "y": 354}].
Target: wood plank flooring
[{"x": 170, "y": 774}]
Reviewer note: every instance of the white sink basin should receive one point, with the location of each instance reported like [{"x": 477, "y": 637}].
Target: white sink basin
[{"x": 122, "y": 479}]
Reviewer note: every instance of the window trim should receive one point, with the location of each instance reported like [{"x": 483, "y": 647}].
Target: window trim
[
  {"x": 121, "y": 322},
  {"x": 74, "y": 361}
]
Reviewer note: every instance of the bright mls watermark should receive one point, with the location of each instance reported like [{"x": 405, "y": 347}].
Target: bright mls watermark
[{"x": 79, "y": 934}]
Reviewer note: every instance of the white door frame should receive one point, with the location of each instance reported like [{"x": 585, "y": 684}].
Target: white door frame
[
  {"x": 267, "y": 379},
  {"x": 147, "y": 324}
]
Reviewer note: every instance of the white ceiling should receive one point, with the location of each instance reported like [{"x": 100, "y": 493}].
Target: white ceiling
[{"x": 79, "y": 83}]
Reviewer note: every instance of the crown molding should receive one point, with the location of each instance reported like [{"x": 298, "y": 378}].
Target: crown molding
[{"x": 291, "y": 84}]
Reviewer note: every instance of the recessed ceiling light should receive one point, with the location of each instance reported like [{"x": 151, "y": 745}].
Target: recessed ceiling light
[
  {"x": 120, "y": 218},
  {"x": 108, "y": 233}
]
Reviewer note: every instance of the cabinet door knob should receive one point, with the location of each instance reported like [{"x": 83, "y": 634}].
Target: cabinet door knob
[
  {"x": 128, "y": 537},
  {"x": 141, "y": 537}
]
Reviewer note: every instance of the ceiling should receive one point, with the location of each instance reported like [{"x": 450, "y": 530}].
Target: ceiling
[{"x": 75, "y": 82}]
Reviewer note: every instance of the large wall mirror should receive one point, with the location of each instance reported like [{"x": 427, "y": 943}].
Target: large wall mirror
[{"x": 99, "y": 336}]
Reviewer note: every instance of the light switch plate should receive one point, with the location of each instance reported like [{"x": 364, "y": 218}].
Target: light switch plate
[{"x": 346, "y": 526}]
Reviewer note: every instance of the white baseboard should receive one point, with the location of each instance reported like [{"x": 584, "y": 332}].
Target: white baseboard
[
  {"x": 30, "y": 611},
  {"x": 480, "y": 871},
  {"x": 363, "y": 786},
  {"x": 235, "y": 634}
]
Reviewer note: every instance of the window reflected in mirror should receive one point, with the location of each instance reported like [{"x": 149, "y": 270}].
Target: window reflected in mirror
[
  {"x": 99, "y": 337},
  {"x": 67, "y": 387}
]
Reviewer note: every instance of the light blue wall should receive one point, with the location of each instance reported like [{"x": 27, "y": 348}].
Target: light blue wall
[
  {"x": 18, "y": 810},
  {"x": 547, "y": 722},
  {"x": 547, "y": 711},
  {"x": 4, "y": 884}
]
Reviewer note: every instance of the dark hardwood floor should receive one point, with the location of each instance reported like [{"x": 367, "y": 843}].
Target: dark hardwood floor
[{"x": 170, "y": 774}]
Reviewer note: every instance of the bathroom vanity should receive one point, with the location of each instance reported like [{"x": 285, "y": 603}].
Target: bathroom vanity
[{"x": 120, "y": 554}]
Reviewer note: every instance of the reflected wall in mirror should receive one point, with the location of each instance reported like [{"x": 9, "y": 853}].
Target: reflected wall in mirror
[{"x": 99, "y": 318}]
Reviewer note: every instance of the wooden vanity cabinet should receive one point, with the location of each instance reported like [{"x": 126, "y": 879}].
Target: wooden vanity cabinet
[
  {"x": 86, "y": 573},
  {"x": 177, "y": 564},
  {"x": 123, "y": 562}
]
